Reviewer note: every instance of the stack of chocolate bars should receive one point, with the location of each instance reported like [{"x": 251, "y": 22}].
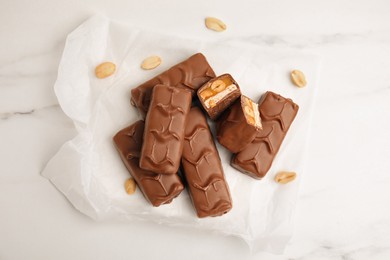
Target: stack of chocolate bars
[{"x": 174, "y": 144}]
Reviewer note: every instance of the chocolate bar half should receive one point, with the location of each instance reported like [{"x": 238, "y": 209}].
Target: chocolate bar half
[
  {"x": 190, "y": 74},
  {"x": 158, "y": 189},
  {"x": 239, "y": 125},
  {"x": 218, "y": 94},
  {"x": 202, "y": 168},
  {"x": 277, "y": 115},
  {"x": 164, "y": 129}
]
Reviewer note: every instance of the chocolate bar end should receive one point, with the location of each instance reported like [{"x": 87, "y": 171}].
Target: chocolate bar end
[
  {"x": 218, "y": 94},
  {"x": 158, "y": 189},
  {"x": 239, "y": 125}
]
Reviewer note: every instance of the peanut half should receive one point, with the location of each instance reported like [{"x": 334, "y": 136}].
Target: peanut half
[
  {"x": 205, "y": 94},
  {"x": 298, "y": 78},
  {"x": 105, "y": 70},
  {"x": 285, "y": 177},
  {"x": 249, "y": 111},
  {"x": 218, "y": 86},
  {"x": 214, "y": 88},
  {"x": 215, "y": 24},
  {"x": 251, "y": 121},
  {"x": 151, "y": 62},
  {"x": 130, "y": 186}
]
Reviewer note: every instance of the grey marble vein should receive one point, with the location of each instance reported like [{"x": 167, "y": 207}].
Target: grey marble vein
[{"x": 8, "y": 115}]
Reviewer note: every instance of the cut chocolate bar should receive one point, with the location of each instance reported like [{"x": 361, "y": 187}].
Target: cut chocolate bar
[
  {"x": 158, "y": 189},
  {"x": 164, "y": 129},
  {"x": 202, "y": 168},
  {"x": 190, "y": 74},
  {"x": 277, "y": 114},
  {"x": 218, "y": 94},
  {"x": 239, "y": 125}
]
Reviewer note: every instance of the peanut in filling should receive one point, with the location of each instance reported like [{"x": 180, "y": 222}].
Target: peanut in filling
[
  {"x": 217, "y": 96},
  {"x": 251, "y": 112}
]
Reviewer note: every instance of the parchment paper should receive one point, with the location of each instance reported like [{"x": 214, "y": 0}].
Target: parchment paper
[{"x": 89, "y": 172}]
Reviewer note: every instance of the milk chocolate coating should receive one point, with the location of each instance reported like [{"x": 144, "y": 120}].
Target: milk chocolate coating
[
  {"x": 215, "y": 112},
  {"x": 202, "y": 168},
  {"x": 277, "y": 114},
  {"x": 164, "y": 129},
  {"x": 190, "y": 74},
  {"x": 233, "y": 131},
  {"x": 158, "y": 189}
]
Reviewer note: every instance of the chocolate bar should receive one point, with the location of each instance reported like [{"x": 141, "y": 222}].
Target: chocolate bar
[
  {"x": 239, "y": 125},
  {"x": 158, "y": 189},
  {"x": 190, "y": 74},
  {"x": 218, "y": 94},
  {"x": 202, "y": 168},
  {"x": 277, "y": 114},
  {"x": 164, "y": 129}
]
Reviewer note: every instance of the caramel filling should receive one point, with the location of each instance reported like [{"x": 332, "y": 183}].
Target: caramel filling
[
  {"x": 212, "y": 101},
  {"x": 216, "y": 91}
]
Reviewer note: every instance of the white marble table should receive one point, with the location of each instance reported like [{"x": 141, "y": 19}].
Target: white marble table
[{"x": 343, "y": 209}]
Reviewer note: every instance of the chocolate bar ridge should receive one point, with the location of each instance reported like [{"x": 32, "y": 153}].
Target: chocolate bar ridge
[
  {"x": 190, "y": 74},
  {"x": 277, "y": 115},
  {"x": 164, "y": 129},
  {"x": 202, "y": 168},
  {"x": 158, "y": 189}
]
